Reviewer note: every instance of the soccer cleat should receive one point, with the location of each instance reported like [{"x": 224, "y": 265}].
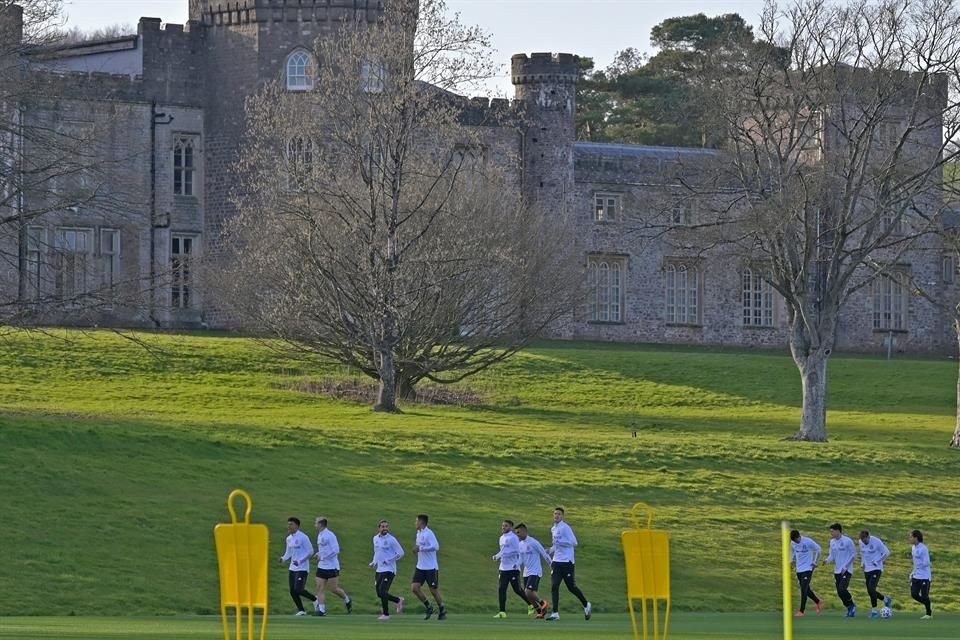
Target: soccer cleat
[
  {"x": 887, "y": 601},
  {"x": 587, "y": 611},
  {"x": 400, "y": 605},
  {"x": 553, "y": 616},
  {"x": 320, "y": 614},
  {"x": 544, "y": 608},
  {"x": 500, "y": 615},
  {"x": 442, "y": 615},
  {"x": 300, "y": 613},
  {"x": 428, "y": 613},
  {"x": 926, "y": 617},
  {"x": 851, "y": 611},
  {"x": 531, "y": 610},
  {"x": 349, "y": 605},
  {"x": 820, "y": 607},
  {"x": 874, "y": 613},
  {"x": 539, "y": 616},
  {"x": 799, "y": 614},
  {"x": 383, "y": 618}
]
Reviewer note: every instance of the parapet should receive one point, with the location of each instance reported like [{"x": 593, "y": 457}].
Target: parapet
[
  {"x": 557, "y": 68},
  {"x": 227, "y": 12}
]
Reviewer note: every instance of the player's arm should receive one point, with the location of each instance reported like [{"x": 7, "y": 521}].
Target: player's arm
[
  {"x": 543, "y": 552},
  {"x": 430, "y": 543},
  {"x": 397, "y": 549},
  {"x": 818, "y": 554}
]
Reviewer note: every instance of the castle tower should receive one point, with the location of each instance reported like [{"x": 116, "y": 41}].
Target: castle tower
[
  {"x": 546, "y": 86},
  {"x": 248, "y": 43}
]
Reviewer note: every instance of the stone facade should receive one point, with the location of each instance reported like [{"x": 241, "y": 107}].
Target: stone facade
[{"x": 170, "y": 88}]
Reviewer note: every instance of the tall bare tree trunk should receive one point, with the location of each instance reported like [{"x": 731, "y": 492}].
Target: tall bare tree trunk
[
  {"x": 955, "y": 442},
  {"x": 813, "y": 420},
  {"x": 387, "y": 393}
]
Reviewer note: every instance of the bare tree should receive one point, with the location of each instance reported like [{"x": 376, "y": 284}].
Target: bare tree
[
  {"x": 377, "y": 227},
  {"x": 78, "y": 35},
  {"x": 837, "y": 138}
]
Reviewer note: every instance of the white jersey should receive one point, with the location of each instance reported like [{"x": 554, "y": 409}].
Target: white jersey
[
  {"x": 805, "y": 554},
  {"x": 843, "y": 554},
  {"x": 921, "y": 562},
  {"x": 299, "y": 550},
  {"x": 328, "y": 550},
  {"x": 563, "y": 542},
  {"x": 427, "y": 556},
  {"x": 386, "y": 552},
  {"x": 873, "y": 554},
  {"x": 530, "y": 553},
  {"x": 509, "y": 555}
]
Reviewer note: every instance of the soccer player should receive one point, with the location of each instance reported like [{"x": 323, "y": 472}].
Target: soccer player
[
  {"x": 921, "y": 576},
  {"x": 873, "y": 553},
  {"x": 562, "y": 566},
  {"x": 299, "y": 550},
  {"x": 328, "y": 567},
  {"x": 509, "y": 557},
  {"x": 428, "y": 570},
  {"x": 842, "y": 554},
  {"x": 804, "y": 553},
  {"x": 530, "y": 553},
  {"x": 386, "y": 552}
]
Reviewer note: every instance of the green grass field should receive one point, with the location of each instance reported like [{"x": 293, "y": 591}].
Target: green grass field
[{"x": 115, "y": 462}]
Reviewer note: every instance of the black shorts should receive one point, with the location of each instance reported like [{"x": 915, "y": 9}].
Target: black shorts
[
  {"x": 430, "y": 577},
  {"x": 326, "y": 574},
  {"x": 532, "y": 583}
]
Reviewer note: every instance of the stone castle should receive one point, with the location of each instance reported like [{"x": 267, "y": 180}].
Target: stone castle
[{"x": 167, "y": 110}]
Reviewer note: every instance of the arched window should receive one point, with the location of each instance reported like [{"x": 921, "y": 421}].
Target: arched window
[{"x": 300, "y": 71}]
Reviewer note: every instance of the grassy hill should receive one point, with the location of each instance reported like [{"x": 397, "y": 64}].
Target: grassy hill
[{"x": 115, "y": 462}]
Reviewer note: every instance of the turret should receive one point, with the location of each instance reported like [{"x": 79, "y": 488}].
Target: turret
[
  {"x": 11, "y": 28},
  {"x": 546, "y": 87}
]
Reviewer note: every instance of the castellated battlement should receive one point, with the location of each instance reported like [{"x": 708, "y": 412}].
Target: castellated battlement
[
  {"x": 488, "y": 112},
  {"x": 229, "y": 12},
  {"x": 557, "y": 68}
]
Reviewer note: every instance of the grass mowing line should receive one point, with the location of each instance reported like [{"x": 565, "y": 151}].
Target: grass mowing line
[{"x": 685, "y": 626}]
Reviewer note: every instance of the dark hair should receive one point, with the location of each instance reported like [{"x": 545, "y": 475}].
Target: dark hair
[
  {"x": 794, "y": 535},
  {"x": 294, "y": 520},
  {"x": 560, "y": 509},
  {"x": 322, "y": 522},
  {"x": 424, "y": 518},
  {"x": 509, "y": 522},
  {"x": 521, "y": 526},
  {"x": 916, "y": 534},
  {"x": 864, "y": 534},
  {"x": 836, "y": 526}
]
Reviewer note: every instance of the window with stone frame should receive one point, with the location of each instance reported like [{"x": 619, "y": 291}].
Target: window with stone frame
[
  {"x": 607, "y": 276},
  {"x": 680, "y": 215},
  {"x": 949, "y": 268},
  {"x": 300, "y": 71},
  {"x": 758, "y": 300},
  {"x": 891, "y": 298},
  {"x": 184, "y": 249},
  {"x": 36, "y": 250},
  {"x": 810, "y": 130},
  {"x": 109, "y": 259},
  {"x": 184, "y": 165},
  {"x": 682, "y": 297},
  {"x": 373, "y": 77},
  {"x": 299, "y": 162},
  {"x": 72, "y": 258},
  {"x": 606, "y": 207}
]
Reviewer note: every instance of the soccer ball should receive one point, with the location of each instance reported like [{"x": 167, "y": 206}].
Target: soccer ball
[{"x": 886, "y": 612}]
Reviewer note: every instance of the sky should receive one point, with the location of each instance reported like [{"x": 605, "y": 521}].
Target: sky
[{"x": 594, "y": 28}]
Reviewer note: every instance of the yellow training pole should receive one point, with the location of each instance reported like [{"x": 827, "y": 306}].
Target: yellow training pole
[{"x": 787, "y": 596}]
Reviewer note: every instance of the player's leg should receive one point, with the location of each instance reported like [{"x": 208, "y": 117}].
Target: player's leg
[
  {"x": 501, "y": 593},
  {"x": 321, "y": 602}
]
